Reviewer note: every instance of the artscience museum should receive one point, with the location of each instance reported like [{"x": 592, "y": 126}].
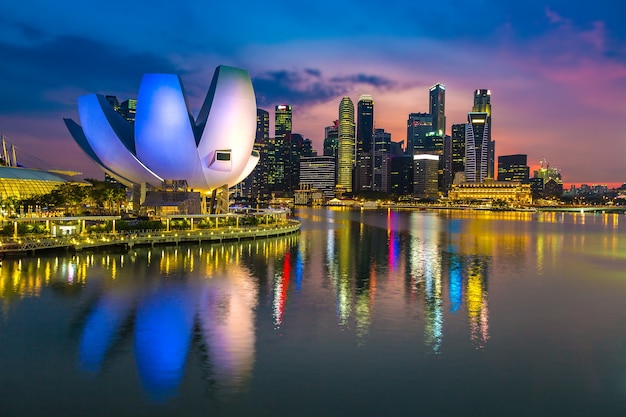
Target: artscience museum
[{"x": 165, "y": 142}]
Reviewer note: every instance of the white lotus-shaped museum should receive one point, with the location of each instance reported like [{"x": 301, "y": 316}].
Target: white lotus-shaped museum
[{"x": 165, "y": 142}]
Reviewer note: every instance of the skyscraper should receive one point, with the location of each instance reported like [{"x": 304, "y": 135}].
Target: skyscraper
[
  {"x": 331, "y": 135},
  {"x": 426, "y": 175},
  {"x": 128, "y": 108},
  {"x": 482, "y": 104},
  {"x": 292, "y": 162},
  {"x": 281, "y": 146},
  {"x": 256, "y": 186},
  {"x": 477, "y": 147},
  {"x": 457, "y": 149},
  {"x": 419, "y": 126},
  {"x": 380, "y": 160},
  {"x": 364, "y": 137},
  {"x": 345, "y": 157},
  {"x": 437, "y": 105}
]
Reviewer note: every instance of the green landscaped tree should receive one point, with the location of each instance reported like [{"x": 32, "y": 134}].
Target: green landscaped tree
[
  {"x": 107, "y": 196},
  {"x": 71, "y": 195},
  {"x": 10, "y": 205}
]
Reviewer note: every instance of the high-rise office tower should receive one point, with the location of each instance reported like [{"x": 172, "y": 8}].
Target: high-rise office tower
[
  {"x": 128, "y": 108},
  {"x": 457, "y": 150},
  {"x": 513, "y": 168},
  {"x": 256, "y": 185},
  {"x": 482, "y": 104},
  {"x": 345, "y": 152},
  {"x": 426, "y": 175},
  {"x": 380, "y": 158},
  {"x": 364, "y": 137},
  {"x": 331, "y": 136},
  {"x": 477, "y": 147},
  {"x": 292, "y": 162},
  {"x": 331, "y": 143},
  {"x": 281, "y": 146},
  {"x": 419, "y": 128},
  {"x": 307, "y": 148},
  {"x": 437, "y": 105}
]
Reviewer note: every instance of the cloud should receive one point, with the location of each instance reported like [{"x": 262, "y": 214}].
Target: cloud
[
  {"x": 372, "y": 80},
  {"x": 37, "y": 72},
  {"x": 309, "y": 87},
  {"x": 554, "y": 17}
]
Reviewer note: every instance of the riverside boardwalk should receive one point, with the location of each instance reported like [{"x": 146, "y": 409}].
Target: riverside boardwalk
[{"x": 22, "y": 245}]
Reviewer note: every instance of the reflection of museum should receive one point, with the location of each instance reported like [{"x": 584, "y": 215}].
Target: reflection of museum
[{"x": 161, "y": 297}]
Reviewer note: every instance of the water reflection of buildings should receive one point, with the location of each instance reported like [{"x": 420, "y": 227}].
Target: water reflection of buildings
[
  {"x": 363, "y": 255},
  {"x": 352, "y": 259},
  {"x": 159, "y": 298},
  {"x": 376, "y": 265}
]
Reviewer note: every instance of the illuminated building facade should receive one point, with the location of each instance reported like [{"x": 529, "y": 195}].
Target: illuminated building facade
[
  {"x": 165, "y": 142},
  {"x": 319, "y": 173},
  {"x": 509, "y": 191},
  {"x": 279, "y": 155},
  {"x": 426, "y": 176},
  {"x": 547, "y": 181},
  {"x": 482, "y": 104},
  {"x": 345, "y": 153},
  {"x": 477, "y": 147},
  {"x": 23, "y": 183}
]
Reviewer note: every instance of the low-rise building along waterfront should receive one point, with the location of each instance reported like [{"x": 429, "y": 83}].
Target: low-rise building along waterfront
[{"x": 512, "y": 192}]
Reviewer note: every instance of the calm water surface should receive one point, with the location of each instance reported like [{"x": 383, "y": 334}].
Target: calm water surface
[{"x": 364, "y": 313}]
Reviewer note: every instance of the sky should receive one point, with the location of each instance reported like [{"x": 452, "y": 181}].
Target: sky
[{"x": 556, "y": 69}]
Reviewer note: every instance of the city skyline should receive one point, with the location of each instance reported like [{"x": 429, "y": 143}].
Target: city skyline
[{"x": 556, "y": 70}]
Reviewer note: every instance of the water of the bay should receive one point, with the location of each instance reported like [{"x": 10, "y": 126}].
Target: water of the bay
[{"x": 363, "y": 313}]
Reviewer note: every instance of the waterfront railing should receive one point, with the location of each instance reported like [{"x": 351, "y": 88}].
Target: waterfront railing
[{"x": 128, "y": 239}]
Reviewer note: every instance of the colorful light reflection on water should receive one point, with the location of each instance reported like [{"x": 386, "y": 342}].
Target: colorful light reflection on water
[{"x": 411, "y": 306}]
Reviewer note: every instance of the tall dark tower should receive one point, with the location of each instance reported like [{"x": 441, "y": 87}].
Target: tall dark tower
[
  {"x": 437, "y": 105},
  {"x": 419, "y": 127},
  {"x": 260, "y": 185},
  {"x": 457, "y": 150},
  {"x": 331, "y": 136},
  {"x": 364, "y": 137},
  {"x": 477, "y": 147},
  {"x": 255, "y": 186},
  {"x": 282, "y": 145},
  {"x": 482, "y": 104}
]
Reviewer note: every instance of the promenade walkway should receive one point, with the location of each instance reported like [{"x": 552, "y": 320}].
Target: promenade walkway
[{"x": 25, "y": 245}]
